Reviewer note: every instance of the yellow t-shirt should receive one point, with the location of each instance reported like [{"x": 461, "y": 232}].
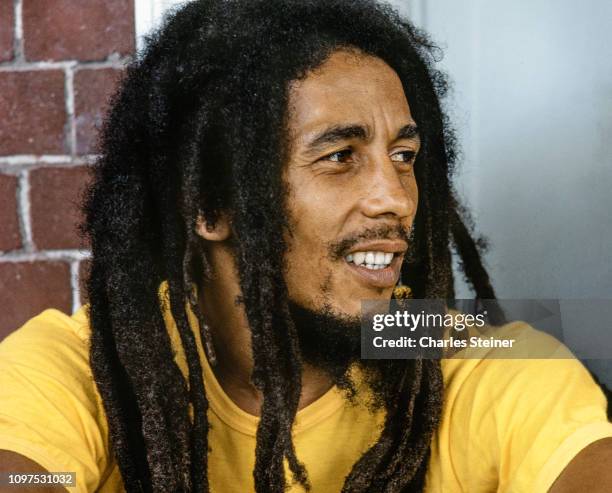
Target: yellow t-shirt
[{"x": 507, "y": 425}]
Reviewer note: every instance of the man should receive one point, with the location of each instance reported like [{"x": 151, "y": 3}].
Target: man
[{"x": 267, "y": 165}]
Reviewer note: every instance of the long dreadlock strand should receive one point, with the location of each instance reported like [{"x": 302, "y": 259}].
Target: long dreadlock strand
[
  {"x": 470, "y": 255},
  {"x": 181, "y": 289},
  {"x": 123, "y": 415},
  {"x": 122, "y": 252},
  {"x": 468, "y": 251}
]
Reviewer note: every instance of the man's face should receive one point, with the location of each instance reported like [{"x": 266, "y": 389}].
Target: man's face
[{"x": 352, "y": 189}]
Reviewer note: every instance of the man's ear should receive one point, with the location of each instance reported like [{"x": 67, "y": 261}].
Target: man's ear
[{"x": 220, "y": 230}]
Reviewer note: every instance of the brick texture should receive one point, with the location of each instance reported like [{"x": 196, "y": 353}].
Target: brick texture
[
  {"x": 55, "y": 196},
  {"x": 77, "y": 30},
  {"x": 52, "y": 102},
  {"x": 7, "y": 23},
  {"x": 92, "y": 90},
  {"x": 32, "y": 112},
  {"x": 10, "y": 239},
  {"x": 27, "y": 288}
]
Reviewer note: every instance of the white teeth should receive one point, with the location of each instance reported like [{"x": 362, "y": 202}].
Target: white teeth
[{"x": 371, "y": 260}]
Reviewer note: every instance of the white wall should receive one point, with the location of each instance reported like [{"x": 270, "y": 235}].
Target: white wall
[
  {"x": 148, "y": 14},
  {"x": 533, "y": 102}
]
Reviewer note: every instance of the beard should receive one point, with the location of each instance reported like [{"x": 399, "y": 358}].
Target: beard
[{"x": 331, "y": 343}]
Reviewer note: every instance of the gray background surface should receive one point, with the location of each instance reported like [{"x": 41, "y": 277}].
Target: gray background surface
[{"x": 532, "y": 101}]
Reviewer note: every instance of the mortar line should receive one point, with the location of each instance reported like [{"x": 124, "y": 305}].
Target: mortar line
[
  {"x": 18, "y": 55},
  {"x": 45, "y": 255},
  {"x": 74, "y": 285},
  {"x": 69, "y": 96},
  {"x": 23, "y": 204}
]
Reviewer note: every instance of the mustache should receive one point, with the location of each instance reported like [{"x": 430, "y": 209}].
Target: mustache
[{"x": 340, "y": 249}]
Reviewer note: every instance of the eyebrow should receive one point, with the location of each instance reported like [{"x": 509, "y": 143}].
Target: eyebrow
[
  {"x": 408, "y": 132},
  {"x": 338, "y": 133}
]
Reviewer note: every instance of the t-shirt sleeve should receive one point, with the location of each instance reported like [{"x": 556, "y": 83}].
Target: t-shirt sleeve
[
  {"x": 49, "y": 408},
  {"x": 525, "y": 419}
]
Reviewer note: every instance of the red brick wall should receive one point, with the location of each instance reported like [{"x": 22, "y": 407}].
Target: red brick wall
[{"x": 59, "y": 61}]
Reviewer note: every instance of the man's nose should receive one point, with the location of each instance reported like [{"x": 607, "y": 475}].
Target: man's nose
[{"x": 386, "y": 192}]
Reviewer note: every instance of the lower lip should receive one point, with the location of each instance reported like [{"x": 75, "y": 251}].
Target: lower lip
[{"x": 381, "y": 278}]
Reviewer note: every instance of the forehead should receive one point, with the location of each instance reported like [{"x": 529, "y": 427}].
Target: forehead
[{"x": 349, "y": 87}]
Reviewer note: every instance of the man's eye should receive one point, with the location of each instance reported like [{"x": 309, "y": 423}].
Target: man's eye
[
  {"x": 339, "y": 157},
  {"x": 403, "y": 156}
]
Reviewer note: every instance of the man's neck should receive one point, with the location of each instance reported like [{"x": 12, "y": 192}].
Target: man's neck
[
  {"x": 231, "y": 337},
  {"x": 235, "y": 380}
]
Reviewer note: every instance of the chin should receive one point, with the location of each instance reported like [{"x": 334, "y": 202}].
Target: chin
[
  {"x": 348, "y": 308},
  {"x": 352, "y": 306}
]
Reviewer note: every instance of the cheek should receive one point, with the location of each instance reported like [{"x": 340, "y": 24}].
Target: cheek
[
  {"x": 313, "y": 224},
  {"x": 409, "y": 183},
  {"x": 310, "y": 235},
  {"x": 306, "y": 268},
  {"x": 414, "y": 190},
  {"x": 313, "y": 214}
]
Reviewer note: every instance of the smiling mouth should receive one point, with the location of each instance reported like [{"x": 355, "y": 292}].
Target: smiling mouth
[
  {"x": 375, "y": 268},
  {"x": 371, "y": 260}
]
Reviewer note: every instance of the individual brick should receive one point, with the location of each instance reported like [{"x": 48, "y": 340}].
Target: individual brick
[
  {"x": 32, "y": 112},
  {"x": 55, "y": 196},
  {"x": 10, "y": 237},
  {"x": 27, "y": 288},
  {"x": 77, "y": 30},
  {"x": 7, "y": 30},
  {"x": 92, "y": 90}
]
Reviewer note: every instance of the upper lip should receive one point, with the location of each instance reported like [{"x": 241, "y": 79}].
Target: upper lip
[{"x": 386, "y": 246}]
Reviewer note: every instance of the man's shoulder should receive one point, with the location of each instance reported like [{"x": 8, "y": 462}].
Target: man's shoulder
[
  {"x": 508, "y": 384},
  {"x": 51, "y": 410},
  {"x": 51, "y": 344},
  {"x": 525, "y": 412},
  {"x": 513, "y": 345},
  {"x": 49, "y": 326}
]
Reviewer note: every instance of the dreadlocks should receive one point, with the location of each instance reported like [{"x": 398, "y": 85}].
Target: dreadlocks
[{"x": 214, "y": 78}]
